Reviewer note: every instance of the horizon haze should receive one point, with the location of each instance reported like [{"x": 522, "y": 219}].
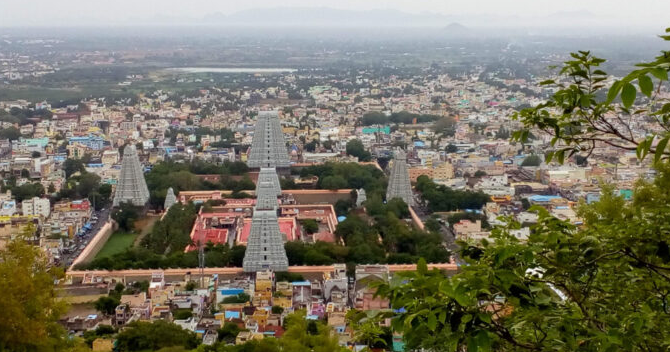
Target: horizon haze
[{"x": 647, "y": 16}]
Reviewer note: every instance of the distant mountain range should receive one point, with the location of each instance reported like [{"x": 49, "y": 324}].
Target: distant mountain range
[
  {"x": 329, "y": 17},
  {"x": 324, "y": 16},
  {"x": 451, "y": 24}
]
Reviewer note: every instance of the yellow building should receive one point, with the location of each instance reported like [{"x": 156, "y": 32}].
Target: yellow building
[
  {"x": 443, "y": 172},
  {"x": 246, "y": 336},
  {"x": 103, "y": 345},
  {"x": 264, "y": 281},
  {"x": 416, "y": 172},
  {"x": 261, "y": 317},
  {"x": 283, "y": 301}
]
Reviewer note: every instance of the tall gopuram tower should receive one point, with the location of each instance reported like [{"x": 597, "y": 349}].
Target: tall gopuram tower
[
  {"x": 269, "y": 175},
  {"x": 131, "y": 187},
  {"x": 170, "y": 199},
  {"x": 268, "y": 147},
  {"x": 399, "y": 185},
  {"x": 265, "y": 245}
]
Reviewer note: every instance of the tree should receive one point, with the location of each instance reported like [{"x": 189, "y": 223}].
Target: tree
[
  {"x": 36, "y": 154},
  {"x": 11, "y": 133},
  {"x": 87, "y": 183},
  {"x": 125, "y": 216},
  {"x": 532, "y": 160},
  {"x": 560, "y": 290},
  {"x": 451, "y": 148},
  {"x": 368, "y": 329},
  {"x": 71, "y": 166},
  {"x": 578, "y": 114},
  {"x": 355, "y": 148},
  {"x": 480, "y": 173},
  {"x": 334, "y": 182},
  {"x": 581, "y": 160},
  {"x": 502, "y": 133},
  {"x": 445, "y": 126},
  {"x": 307, "y": 336},
  {"x": 29, "y": 304},
  {"x": 106, "y": 305},
  {"x": 310, "y": 226},
  {"x": 143, "y": 336},
  {"x": 432, "y": 224},
  {"x": 311, "y": 146},
  {"x": 182, "y": 314},
  {"x": 228, "y": 332},
  {"x": 27, "y": 191},
  {"x": 442, "y": 198},
  {"x": 239, "y": 298},
  {"x": 567, "y": 288}
]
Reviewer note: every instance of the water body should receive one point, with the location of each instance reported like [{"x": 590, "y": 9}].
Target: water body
[{"x": 230, "y": 70}]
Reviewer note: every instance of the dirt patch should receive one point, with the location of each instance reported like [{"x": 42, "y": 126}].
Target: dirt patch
[{"x": 144, "y": 226}]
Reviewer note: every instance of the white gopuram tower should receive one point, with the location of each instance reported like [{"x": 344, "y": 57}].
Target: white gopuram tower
[
  {"x": 268, "y": 147},
  {"x": 399, "y": 185},
  {"x": 132, "y": 187},
  {"x": 269, "y": 175},
  {"x": 265, "y": 245},
  {"x": 170, "y": 199}
]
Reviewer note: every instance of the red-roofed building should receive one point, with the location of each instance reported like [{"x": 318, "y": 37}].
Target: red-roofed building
[
  {"x": 215, "y": 227},
  {"x": 287, "y": 226}
]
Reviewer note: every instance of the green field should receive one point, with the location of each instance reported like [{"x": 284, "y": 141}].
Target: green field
[{"x": 117, "y": 243}]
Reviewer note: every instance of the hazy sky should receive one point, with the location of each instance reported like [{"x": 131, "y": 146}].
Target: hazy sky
[{"x": 58, "y": 12}]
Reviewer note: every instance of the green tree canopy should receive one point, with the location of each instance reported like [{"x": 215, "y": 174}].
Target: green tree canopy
[
  {"x": 11, "y": 133},
  {"x": 532, "y": 160},
  {"x": 125, "y": 216},
  {"x": 355, "y": 148},
  {"x": 146, "y": 336},
  {"x": 29, "y": 306},
  {"x": 601, "y": 286},
  {"x": 106, "y": 304}
]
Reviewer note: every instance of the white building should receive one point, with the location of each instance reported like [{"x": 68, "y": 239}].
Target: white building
[
  {"x": 36, "y": 206},
  {"x": 8, "y": 208}
]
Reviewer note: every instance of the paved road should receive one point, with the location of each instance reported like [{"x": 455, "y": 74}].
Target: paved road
[
  {"x": 447, "y": 235},
  {"x": 81, "y": 242}
]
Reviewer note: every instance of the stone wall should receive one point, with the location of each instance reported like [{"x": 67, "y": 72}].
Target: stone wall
[{"x": 96, "y": 244}]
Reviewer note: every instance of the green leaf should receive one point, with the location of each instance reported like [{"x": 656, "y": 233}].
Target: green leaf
[
  {"x": 585, "y": 101},
  {"x": 442, "y": 317},
  {"x": 483, "y": 341},
  {"x": 660, "y": 148},
  {"x": 431, "y": 322},
  {"x": 660, "y": 73},
  {"x": 560, "y": 156},
  {"x": 548, "y": 156},
  {"x": 643, "y": 148},
  {"x": 485, "y": 317},
  {"x": 614, "y": 91},
  {"x": 646, "y": 85},
  {"x": 421, "y": 266},
  {"x": 628, "y": 95}
]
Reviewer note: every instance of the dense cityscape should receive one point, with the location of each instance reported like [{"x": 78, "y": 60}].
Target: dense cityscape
[{"x": 279, "y": 192}]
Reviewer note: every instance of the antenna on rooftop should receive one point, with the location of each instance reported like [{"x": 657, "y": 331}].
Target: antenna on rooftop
[{"x": 201, "y": 262}]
